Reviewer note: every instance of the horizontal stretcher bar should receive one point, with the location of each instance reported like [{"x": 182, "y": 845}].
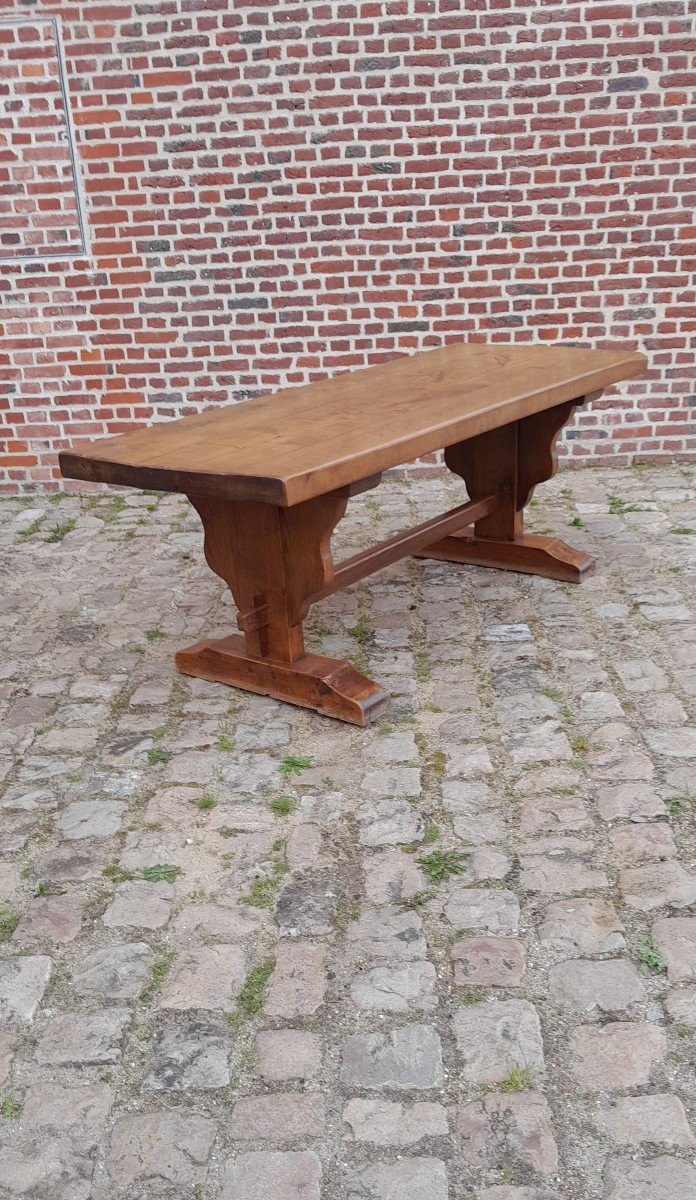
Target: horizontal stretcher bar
[{"x": 407, "y": 541}]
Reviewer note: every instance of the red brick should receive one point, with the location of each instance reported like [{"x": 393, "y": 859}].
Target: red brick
[
  {"x": 277, "y": 195},
  {"x": 166, "y": 79}
]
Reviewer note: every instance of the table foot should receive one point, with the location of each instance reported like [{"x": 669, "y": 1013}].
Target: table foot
[
  {"x": 331, "y": 686},
  {"x": 530, "y": 554}
]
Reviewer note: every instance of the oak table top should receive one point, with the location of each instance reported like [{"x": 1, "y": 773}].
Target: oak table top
[{"x": 303, "y": 442}]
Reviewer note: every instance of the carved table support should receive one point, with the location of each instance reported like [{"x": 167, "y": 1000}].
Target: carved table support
[
  {"x": 512, "y": 460},
  {"x": 273, "y": 560}
]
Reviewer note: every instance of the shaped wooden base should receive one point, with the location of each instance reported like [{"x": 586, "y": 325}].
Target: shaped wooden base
[
  {"x": 331, "y": 686},
  {"x": 528, "y": 553}
]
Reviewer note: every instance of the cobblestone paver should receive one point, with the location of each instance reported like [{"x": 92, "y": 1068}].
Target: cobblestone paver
[{"x": 252, "y": 954}]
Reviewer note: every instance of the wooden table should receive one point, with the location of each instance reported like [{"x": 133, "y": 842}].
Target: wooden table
[{"x": 272, "y": 477}]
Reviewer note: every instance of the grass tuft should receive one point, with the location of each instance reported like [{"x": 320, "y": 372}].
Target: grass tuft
[
  {"x": 422, "y": 666},
  {"x": 11, "y": 1108},
  {"x": 618, "y": 507},
  {"x": 282, "y": 806},
  {"x": 30, "y": 530},
  {"x": 58, "y": 532},
  {"x": 362, "y": 630},
  {"x": 519, "y": 1080},
  {"x": 9, "y": 920},
  {"x": 157, "y": 756},
  {"x": 160, "y": 969},
  {"x": 678, "y": 805},
  {"x": 440, "y": 864},
  {"x": 250, "y": 998},
  {"x": 262, "y": 892},
  {"x": 648, "y": 956},
  {"x": 113, "y": 871},
  {"x": 293, "y": 764}
]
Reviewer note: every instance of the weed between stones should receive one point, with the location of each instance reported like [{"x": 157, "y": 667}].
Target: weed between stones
[
  {"x": 251, "y": 997},
  {"x": 9, "y": 921},
  {"x": 439, "y": 865},
  {"x": 293, "y": 764}
]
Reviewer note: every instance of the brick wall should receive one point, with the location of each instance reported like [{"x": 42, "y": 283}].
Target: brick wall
[{"x": 274, "y": 192}]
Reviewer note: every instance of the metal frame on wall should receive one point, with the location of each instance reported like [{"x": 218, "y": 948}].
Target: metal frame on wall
[{"x": 80, "y": 205}]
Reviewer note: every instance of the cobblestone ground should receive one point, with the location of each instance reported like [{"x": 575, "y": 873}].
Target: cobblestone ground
[{"x": 252, "y": 954}]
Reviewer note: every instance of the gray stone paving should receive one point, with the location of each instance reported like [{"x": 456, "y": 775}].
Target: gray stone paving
[{"x": 247, "y": 953}]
